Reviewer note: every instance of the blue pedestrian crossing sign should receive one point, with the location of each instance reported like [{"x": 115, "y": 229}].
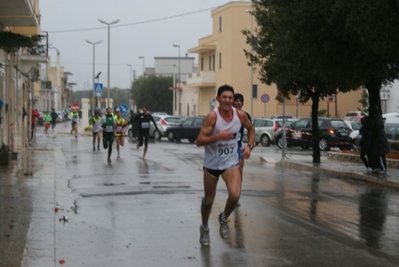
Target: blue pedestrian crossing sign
[
  {"x": 98, "y": 89},
  {"x": 124, "y": 108}
]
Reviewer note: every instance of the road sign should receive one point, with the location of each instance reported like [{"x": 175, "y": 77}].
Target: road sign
[
  {"x": 98, "y": 89},
  {"x": 75, "y": 107},
  {"x": 123, "y": 108},
  {"x": 265, "y": 98},
  {"x": 330, "y": 98}
]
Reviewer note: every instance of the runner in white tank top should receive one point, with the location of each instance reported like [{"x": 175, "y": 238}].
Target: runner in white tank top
[
  {"x": 219, "y": 134},
  {"x": 222, "y": 154}
]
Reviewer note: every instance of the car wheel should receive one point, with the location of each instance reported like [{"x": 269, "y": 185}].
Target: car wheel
[
  {"x": 157, "y": 135},
  {"x": 171, "y": 136},
  {"x": 265, "y": 140},
  {"x": 323, "y": 144},
  {"x": 191, "y": 140},
  {"x": 279, "y": 142}
]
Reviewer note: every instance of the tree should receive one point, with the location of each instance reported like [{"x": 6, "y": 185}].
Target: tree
[
  {"x": 375, "y": 27},
  {"x": 297, "y": 47},
  {"x": 153, "y": 92}
]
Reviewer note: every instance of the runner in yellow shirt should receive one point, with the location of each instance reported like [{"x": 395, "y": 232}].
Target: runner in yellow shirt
[{"x": 120, "y": 130}]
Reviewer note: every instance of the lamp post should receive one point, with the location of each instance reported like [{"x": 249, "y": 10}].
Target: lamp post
[
  {"x": 143, "y": 58},
  {"x": 178, "y": 76},
  {"x": 109, "y": 38},
  {"x": 131, "y": 73},
  {"x": 94, "y": 63},
  {"x": 251, "y": 86}
]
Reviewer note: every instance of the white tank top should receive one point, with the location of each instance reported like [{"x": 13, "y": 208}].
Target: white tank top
[{"x": 222, "y": 154}]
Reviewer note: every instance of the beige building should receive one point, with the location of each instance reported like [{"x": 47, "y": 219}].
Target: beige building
[
  {"x": 221, "y": 60},
  {"x": 21, "y": 77}
]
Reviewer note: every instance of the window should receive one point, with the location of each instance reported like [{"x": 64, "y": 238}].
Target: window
[
  {"x": 213, "y": 62},
  {"x": 220, "y": 60},
  {"x": 220, "y": 23},
  {"x": 188, "y": 122},
  {"x": 202, "y": 64},
  {"x": 198, "y": 122},
  {"x": 255, "y": 91}
]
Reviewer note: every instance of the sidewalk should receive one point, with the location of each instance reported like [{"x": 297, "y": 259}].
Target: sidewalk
[{"x": 340, "y": 169}]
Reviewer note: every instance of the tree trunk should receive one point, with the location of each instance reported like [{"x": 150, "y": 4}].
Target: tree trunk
[
  {"x": 315, "y": 126},
  {"x": 373, "y": 87}
]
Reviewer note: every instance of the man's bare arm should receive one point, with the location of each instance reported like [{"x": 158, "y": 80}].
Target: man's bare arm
[{"x": 250, "y": 133}]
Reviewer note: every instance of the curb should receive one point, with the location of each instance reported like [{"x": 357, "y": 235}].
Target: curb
[{"x": 337, "y": 174}]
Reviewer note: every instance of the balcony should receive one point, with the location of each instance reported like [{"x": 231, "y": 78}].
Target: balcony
[
  {"x": 22, "y": 15},
  {"x": 202, "y": 79}
]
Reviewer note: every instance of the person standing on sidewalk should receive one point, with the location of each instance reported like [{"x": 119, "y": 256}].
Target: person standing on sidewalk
[
  {"x": 120, "y": 130},
  {"x": 238, "y": 103},
  {"x": 379, "y": 140},
  {"x": 74, "y": 115},
  {"x": 35, "y": 116},
  {"x": 96, "y": 122},
  {"x": 219, "y": 135},
  {"x": 143, "y": 122},
  {"x": 365, "y": 145},
  {"x": 108, "y": 125},
  {"x": 54, "y": 117}
]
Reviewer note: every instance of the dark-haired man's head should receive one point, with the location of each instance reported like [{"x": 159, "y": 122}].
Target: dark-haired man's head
[{"x": 224, "y": 88}]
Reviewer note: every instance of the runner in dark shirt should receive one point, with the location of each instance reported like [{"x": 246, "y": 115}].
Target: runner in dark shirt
[{"x": 143, "y": 123}]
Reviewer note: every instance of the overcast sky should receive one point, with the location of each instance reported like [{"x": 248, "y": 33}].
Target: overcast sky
[{"x": 147, "y": 28}]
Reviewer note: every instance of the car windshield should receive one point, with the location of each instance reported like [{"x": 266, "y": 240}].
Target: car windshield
[{"x": 173, "y": 120}]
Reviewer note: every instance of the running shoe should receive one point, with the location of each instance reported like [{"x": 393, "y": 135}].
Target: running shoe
[
  {"x": 368, "y": 170},
  {"x": 76, "y": 136},
  {"x": 224, "y": 227},
  {"x": 109, "y": 160},
  {"x": 119, "y": 156},
  {"x": 94, "y": 148},
  {"x": 98, "y": 148},
  {"x": 204, "y": 237}
]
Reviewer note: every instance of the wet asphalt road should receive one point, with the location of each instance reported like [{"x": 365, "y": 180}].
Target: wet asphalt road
[{"x": 137, "y": 212}]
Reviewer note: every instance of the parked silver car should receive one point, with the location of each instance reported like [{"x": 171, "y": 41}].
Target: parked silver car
[
  {"x": 163, "y": 123},
  {"x": 265, "y": 130}
]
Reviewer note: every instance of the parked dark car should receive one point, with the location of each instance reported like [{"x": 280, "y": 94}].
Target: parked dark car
[
  {"x": 392, "y": 132},
  {"x": 332, "y": 133},
  {"x": 188, "y": 129}
]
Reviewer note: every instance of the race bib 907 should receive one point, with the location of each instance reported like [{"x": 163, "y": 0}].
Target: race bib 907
[
  {"x": 225, "y": 151},
  {"x": 145, "y": 125}
]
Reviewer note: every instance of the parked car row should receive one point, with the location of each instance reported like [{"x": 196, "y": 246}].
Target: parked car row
[{"x": 332, "y": 132}]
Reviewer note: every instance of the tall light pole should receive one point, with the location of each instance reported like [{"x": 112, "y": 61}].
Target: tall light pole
[
  {"x": 178, "y": 76},
  {"x": 143, "y": 58},
  {"x": 109, "y": 46},
  {"x": 94, "y": 63},
  {"x": 131, "y": 73},
  {"x": 251, "y": 87}
]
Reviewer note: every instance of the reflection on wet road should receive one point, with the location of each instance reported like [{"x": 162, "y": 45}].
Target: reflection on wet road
[{"x": 146, "y": 212}]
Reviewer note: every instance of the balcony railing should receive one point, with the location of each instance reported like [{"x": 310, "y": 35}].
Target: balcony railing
[{"x": 204, "y": 78}]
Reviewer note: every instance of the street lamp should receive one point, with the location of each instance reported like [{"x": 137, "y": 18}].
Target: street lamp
[
  {"x": 143, "y": 58},
  {"x": 94, "y": 60},
  {"x": 131, "y": 73},
  {"x": 109, "y": 37},
  {"x": 251, "y": 87},
  {"x": 178, "y": 79}
]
